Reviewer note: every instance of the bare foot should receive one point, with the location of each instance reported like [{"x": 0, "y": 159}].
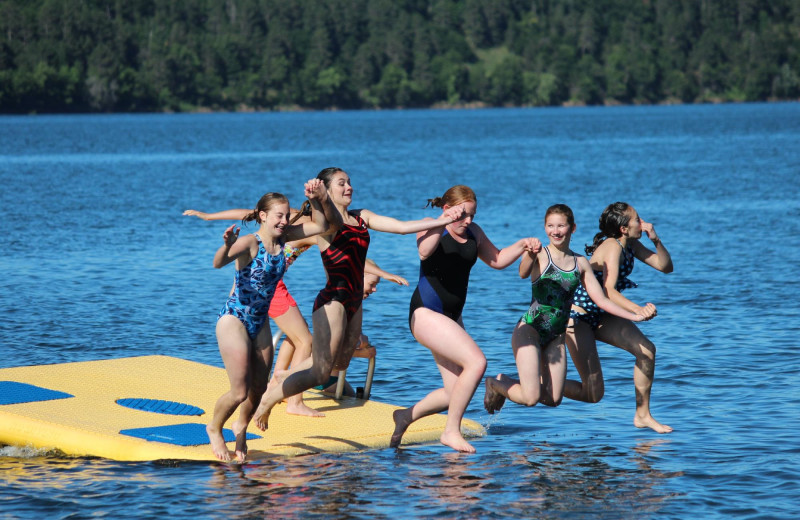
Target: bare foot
[
  {"x": 493, "y": 401},
  {"x": 240, "y": 430},
  {"x": 218, "y": 444},
  {"x": 649, "y": 422},
  {"x": 457, "y": 442},
  {"x": 402, "y": 420},
  {"x": 296, "y": 406},
  {"x": 262, "y": 417}
]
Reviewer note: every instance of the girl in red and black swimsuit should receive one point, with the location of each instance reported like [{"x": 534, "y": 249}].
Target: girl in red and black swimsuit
[{"x": 337, "y": 310}]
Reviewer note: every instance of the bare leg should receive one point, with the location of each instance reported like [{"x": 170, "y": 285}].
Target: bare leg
[
  {"x": 461, "y": 364},
  {"x": 260, "y": 362},
  {"x": 583, "y": 350},
  {"x": 526, "y": 390},
  {"x": 330, "y": 327},
  {"x": 234, "y": 347},
  {"x": 626, "y": 335},
  {"x": 553, "y": 364},
  {"x": 299, "y": 337}
]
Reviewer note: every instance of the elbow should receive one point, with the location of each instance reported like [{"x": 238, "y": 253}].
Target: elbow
[{"x": 667, "y": 268}]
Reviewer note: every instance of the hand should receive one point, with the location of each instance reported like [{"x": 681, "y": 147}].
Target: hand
[
  {"x": 532, "y": 245},
  {"x": 648, "y": 228},
  {"x": 231, "y": 235},
  {"x": 195, "y": 213},
  {"x": 399, "y": 280},
  {"x": 454, "y": 213},
  {"x": 315, "y": 189},
  {"x": 648, "y": 311}
]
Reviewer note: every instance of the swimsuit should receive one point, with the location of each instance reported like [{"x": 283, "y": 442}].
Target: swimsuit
[
  {"x": 253, "y": 289},
  {"x": 344, "y": 261},
  {"x": 282, "y": 300},
  {"x": 551, "y": 298},
  {"x": 582, "y": 300},
  {"x": 444, "y": 277}
]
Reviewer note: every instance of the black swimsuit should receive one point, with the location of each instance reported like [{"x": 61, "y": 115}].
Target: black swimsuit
[{"x": 444, "y": 277}]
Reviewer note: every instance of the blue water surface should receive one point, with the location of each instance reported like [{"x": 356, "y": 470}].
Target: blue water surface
[{"x": 98, "y": 262}]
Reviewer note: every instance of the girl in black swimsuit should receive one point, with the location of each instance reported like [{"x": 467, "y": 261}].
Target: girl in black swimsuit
[{"x": 446, "y": 257}]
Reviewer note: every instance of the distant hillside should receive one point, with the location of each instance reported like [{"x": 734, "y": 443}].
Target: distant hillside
[{"x": 182, "y": 55}]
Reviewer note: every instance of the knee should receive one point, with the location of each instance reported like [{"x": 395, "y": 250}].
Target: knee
[
  {"x": 648, "y": 350},
  {"x": 321, "y": 372},
  {"x": 530, "y": 398},
  {"x": 239, "y": 394},
  {"x": 479, "y": 365},
  {"x": 595, "y": 391}
]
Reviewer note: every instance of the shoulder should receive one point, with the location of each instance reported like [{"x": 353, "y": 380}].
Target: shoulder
[
  {"x": 607, "y": 249},
  {"x": 361, "y": 215},
  {"x": 475, "y": 231}
]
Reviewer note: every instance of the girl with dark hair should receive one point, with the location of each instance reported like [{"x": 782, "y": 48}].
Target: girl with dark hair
[
  {"x": 613, "y": 251},
  {"x": 538, "y": 339},
  {"x": 260, "y": 264},
  {"x": 446, "y": 258},
  {"x": 336, "y": 318}
]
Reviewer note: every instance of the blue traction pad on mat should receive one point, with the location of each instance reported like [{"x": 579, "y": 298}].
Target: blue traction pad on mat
[
  {"x": 160, "y": 406},
  {"x": 189, "y": 434},
  {"x": 12, "y": 392}
]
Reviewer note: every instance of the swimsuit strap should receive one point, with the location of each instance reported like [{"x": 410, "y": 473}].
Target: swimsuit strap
[{"x": 549, "y": 259}]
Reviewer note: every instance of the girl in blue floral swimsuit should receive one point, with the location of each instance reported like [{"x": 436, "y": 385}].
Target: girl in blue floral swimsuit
[{"x": 260, "y": 264}]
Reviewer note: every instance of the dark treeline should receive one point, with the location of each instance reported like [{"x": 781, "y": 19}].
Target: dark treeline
[{"x": 154, "y": 55}]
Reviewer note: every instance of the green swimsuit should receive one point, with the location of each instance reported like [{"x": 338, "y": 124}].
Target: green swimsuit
[{"x": 551, "y": 300}]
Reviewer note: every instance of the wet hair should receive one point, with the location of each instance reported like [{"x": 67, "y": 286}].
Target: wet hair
[
  {"x": 453, "y": 197},
  {"x": 613, "y": 218},
  {"x": 327, "y": 174},
  {"x": 265, "y": 203},
  {"x": 561, "y": 209}
]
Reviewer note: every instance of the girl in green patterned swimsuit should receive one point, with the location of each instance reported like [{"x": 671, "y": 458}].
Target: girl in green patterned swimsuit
[{"x": 538, "y": 338}]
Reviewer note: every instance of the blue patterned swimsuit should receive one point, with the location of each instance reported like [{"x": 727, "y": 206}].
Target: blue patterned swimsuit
[
  {"x": 254, "y": 287},
  {"x": 582, "y": 300}
]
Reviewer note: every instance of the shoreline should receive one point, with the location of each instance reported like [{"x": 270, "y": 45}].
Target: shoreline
[{"x": 476, "y": 105}]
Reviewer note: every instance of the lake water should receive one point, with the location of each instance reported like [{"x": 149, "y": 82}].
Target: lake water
[{"x": 99, "y": 263}]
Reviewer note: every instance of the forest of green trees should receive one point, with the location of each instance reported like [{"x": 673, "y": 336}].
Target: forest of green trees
[{"x": 184, "y": 55}]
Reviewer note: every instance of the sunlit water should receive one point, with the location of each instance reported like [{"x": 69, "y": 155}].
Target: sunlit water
[{"x": 99, "y": 263}]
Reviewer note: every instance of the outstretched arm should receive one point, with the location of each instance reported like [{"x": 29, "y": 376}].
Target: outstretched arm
[
  {"x": 405, "y": 227},
  {"x": 660, "y": 259},
  {"x": 502, "y": 258},
  {"x": 597, "y": 295},
  {"x": 371, "y": 268},
  {"x": 228, "y": 214}
]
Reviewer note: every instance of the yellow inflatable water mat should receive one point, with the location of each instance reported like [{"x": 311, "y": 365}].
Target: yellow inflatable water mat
[{"x": 156, "y": 407}]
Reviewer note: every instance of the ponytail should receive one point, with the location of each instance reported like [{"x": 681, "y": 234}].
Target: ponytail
[
  {"x": 614, "y": 217},
  {"x": 453, "y": 197},
  {"x": 304, "y": 211}
]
